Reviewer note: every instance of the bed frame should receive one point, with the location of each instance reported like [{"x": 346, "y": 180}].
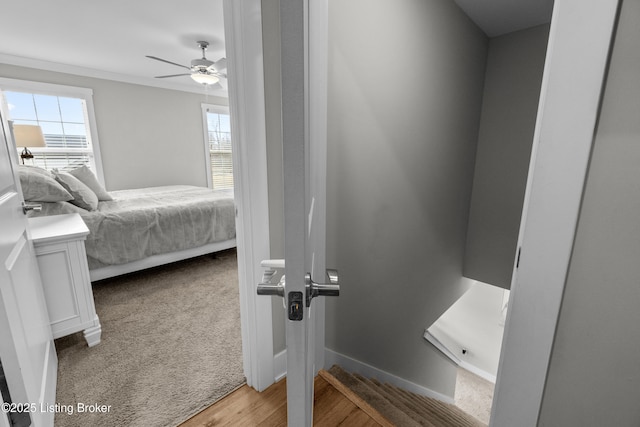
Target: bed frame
[{"x": 156, "y": 260}]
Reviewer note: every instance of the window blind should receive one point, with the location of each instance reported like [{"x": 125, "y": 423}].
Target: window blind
[
  {"x": 62, "y": 161},
  {"x": 221, "y": 169},
  {"x": 220, "y": 155}
]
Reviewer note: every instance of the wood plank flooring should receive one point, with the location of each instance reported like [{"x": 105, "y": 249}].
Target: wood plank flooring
[{"x": 247, "y": 407}]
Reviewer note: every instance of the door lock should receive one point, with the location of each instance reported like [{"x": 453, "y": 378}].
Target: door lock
[{"x": 295, "y": 307}]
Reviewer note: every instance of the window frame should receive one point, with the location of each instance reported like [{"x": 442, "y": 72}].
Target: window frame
[
  {"x": 210, "y": 108},
  {"x": 40, "y": 88}
]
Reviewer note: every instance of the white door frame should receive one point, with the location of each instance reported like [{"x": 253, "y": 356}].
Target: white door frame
[
  {"x": 243, "y": 37},
  {"x": 577, "y": 57}
]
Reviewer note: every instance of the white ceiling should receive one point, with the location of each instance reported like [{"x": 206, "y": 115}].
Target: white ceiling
[
  {"x": 498, "y": 17},
  {"x": 109, "y": 39}
]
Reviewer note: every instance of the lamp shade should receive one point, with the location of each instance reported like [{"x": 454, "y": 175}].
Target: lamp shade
[
  {"x": 206, "y": 79},
  {"x": 28, "y": 136}
]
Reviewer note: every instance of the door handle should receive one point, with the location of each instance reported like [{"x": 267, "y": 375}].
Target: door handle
[
  {"x": 26, "y": 207},
  {"x": 313, "y": 289},
  {"x": 271, "y": 289},
  {"x": 331, "y": 289},
  {"x": 268, "y": 287}
]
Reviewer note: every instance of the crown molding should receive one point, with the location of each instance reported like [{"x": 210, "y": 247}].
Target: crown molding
[{"x": 22, "y": 61}]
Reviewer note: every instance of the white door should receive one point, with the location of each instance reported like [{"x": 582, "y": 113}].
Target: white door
[
  {"x": 27, "y": 352},
  {"x": 303, "y": 60}
]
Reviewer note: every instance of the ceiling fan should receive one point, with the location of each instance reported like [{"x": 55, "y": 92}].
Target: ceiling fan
[{"x": 201, "y": 70}]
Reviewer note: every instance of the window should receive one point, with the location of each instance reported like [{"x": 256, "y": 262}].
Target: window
[
  {"x": 217, "y": 127},
  {"x": 66, "y": 117}
]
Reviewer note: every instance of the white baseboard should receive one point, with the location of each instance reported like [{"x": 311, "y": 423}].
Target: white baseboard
[
  {"x": 353, "y": 365},
  {"x": 280, "y": 365}
]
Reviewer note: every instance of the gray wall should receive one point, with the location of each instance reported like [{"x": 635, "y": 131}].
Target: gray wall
[
  {"x": 405, "y": 91},
  {"x": 509, "y": 107},
  {"x": 148, "y": 136},
  {"x": 594, "y": 371}
]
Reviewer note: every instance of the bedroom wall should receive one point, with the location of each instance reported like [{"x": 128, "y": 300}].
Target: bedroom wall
[
  {"x": 594, "y": 372},
  {"x": 405, "y": 92},
  {"x": 148, "y": 136},
  {"x": 509, "y": 107}
]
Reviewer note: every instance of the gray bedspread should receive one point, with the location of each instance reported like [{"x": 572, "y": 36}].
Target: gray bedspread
[{"x": 151, "y": 221}]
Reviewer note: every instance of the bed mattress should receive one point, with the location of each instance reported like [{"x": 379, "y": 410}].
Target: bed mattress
[{"x": 151, "y": 221}]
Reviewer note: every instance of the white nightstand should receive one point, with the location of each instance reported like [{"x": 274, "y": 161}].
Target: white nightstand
[{"x": 59, "y": 246}]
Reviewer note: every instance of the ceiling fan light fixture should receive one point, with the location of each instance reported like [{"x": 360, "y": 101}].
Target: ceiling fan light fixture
[
  {"x": 205, "y": 79},
  {"x": 202, "y": 71}
]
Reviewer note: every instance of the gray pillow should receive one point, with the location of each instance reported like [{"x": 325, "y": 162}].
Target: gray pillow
[
  {"x": 87, "y": 177},
  {"x": 83, "y": 196},
  {"x": 41, "y": 187},
  {"x": 36, "y": 169}
]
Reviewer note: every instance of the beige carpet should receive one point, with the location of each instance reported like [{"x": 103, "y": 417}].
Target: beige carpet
[
  {"x": 474, "y": 395},
  {"x": 170, "y": 346}
]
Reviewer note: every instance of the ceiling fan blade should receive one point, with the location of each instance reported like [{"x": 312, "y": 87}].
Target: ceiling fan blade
[
  {"x": 173, "y": 75},
  {"x": 168, "y": 62},
  {"x": 223, "y": 82},
  {"x": 220, "y": 65}
]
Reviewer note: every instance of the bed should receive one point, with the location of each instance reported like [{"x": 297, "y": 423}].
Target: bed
[{"x": 130, "y": 230}]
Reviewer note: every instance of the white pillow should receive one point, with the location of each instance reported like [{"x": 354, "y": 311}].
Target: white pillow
[
  {"x": 83, "y": 196},
  {"x": 84, "y": 174}
]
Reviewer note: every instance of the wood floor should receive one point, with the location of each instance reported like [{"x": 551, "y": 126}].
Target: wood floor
[{"x": 247, "y": 407}]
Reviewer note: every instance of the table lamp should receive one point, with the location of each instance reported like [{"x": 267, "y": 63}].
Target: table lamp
[{"x": 28, "y": 136}]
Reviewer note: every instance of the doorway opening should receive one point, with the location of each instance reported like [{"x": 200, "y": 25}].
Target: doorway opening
[{"x": 470, "y": 334}]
